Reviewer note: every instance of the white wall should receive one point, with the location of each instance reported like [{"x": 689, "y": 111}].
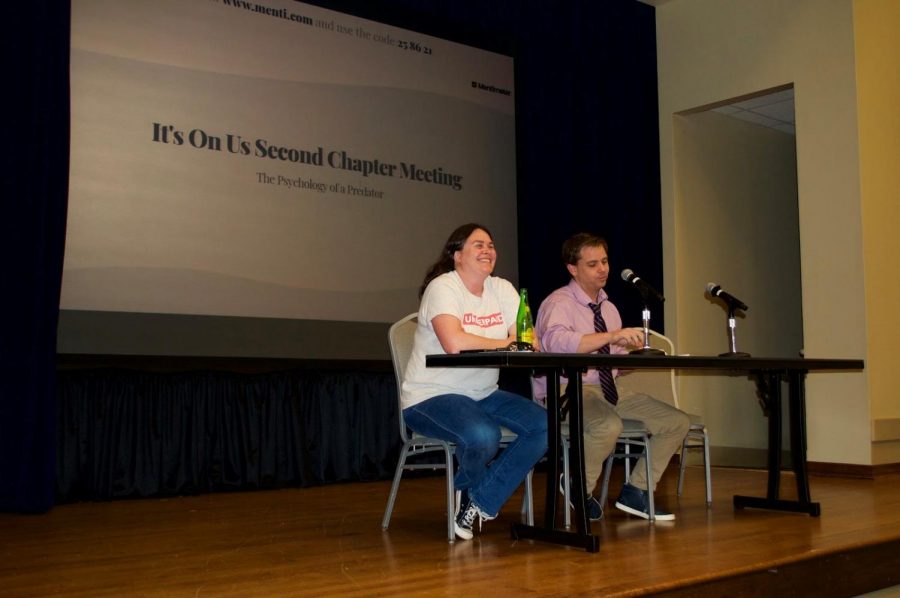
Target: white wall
[{"x": 709, "y": 51}]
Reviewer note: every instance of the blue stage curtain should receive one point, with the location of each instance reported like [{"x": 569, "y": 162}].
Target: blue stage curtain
[
  {"x": 32, "y": 234},
  {"x": 131, "y": 434}
]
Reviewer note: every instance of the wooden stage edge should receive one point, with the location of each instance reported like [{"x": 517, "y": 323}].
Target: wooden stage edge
[
  {"x": 328, "y": 541},
  {"x": 849, "y": 571},
  {"x": 846, "y": 470}
]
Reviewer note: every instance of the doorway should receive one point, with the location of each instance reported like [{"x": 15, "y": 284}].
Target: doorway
[{"x": 737, "y": 225}]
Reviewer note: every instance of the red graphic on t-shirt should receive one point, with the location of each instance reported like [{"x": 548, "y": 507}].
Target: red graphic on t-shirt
[{"x": 483, "y": 321}]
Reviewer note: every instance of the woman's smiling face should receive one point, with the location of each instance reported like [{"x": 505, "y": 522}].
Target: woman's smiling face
[{"x": 477, "y": 255}]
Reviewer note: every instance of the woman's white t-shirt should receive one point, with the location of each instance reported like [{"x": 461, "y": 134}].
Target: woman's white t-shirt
[{"x": 491, "y": 316}]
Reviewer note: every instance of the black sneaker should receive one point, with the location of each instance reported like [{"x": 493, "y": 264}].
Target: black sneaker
[
  {"x": 635, "y": 501},
  {"x": 466, "y": 514},
  {"x": 592, "y": 506},
  {"x": 461, "y": 496}
]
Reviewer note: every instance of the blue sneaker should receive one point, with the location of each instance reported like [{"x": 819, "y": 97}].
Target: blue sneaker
[
  {"x": 592, "y": 506},
  {"x": 634, "y": 501}
]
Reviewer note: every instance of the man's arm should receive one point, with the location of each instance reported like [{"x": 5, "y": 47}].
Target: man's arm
[
  {"x": 563, "y": 330},
  {"x": 557, "y": 326},
  {"x": 623, "y": 337}
]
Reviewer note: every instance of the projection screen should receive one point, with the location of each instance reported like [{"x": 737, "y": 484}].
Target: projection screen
[{"x": 270, "y": 178}]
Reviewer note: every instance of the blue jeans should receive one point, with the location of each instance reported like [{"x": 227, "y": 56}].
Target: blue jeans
[{"x": 474, "y": 426}]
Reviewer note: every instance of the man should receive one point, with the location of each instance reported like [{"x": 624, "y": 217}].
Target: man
[{"x": 579, "y": 318}]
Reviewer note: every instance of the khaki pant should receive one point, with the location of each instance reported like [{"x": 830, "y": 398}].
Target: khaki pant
[{"x": 603, "y": 424}]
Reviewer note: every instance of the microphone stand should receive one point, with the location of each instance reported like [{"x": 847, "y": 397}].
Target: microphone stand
[
  {"x": 646, "y": 349},
  {"x": 731, "y": 326}
]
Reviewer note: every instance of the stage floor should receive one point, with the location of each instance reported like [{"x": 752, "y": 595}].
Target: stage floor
[{"x": 328, "y": 541}]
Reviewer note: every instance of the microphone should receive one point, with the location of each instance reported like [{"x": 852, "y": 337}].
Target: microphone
[
  {"x": 628, "y": 275},
  {"x": 732, "y": 301}
]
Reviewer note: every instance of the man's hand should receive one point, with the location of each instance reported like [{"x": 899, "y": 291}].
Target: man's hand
[{"x": 628, "y": 337}]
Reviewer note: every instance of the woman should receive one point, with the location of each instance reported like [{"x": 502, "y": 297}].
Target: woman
[{"x": 463, "y": 307}]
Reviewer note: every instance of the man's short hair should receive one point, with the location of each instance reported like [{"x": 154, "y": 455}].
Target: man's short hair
[{"x": 571, "y": 249}]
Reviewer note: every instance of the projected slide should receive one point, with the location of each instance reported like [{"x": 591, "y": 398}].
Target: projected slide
[{"x": 274, "y": 159}]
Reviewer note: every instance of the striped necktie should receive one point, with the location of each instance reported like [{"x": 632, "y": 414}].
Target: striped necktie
[{"x": 606, "y": 377}]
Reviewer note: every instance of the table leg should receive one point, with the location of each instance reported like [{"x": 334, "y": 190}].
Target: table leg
[
  {"x": 553, "y": 449},
  {"x": 576, "y": 452},
  {"x": 775, "y": 432},
  {"x": 549, "y": 532},
  {"x": 769, "y": 386},
  {"x": 797, "y": 407}
]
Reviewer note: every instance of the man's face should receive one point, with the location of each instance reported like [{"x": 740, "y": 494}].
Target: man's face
[{"x": 591, "y": 270}]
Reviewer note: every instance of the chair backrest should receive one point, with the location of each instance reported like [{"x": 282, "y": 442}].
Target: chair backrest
[
  {"x": 659, "y": 384},
  {"x": 400, "y": 338}
]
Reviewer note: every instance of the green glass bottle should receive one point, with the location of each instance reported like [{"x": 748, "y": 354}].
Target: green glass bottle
[{"x": 524, "y": 323}]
